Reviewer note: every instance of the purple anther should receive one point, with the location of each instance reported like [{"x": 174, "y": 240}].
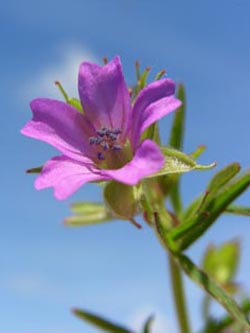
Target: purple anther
[
  {"x": 105, "y": 145},
  {"x": 108, "y": 132},
  {"x": 116, "y": 147},
  {"x": 101, "y": 132},
  {"x": 100, "y": 156},
  {"x": 92, "y": 140},
  {"x": 112, "y": 136},
  {"x": 117, "y": 131},
  {"x": 98, "y": 140}
]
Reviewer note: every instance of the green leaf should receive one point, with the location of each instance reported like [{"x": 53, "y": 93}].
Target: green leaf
[
  {"x": 202, "y": 279},
  {"x": 121, "y": 200},
  {"x": 221, "y": 262},
  {"x": 222, "y": 177},
  {"x": 238, "y": 210},
  {"x": 102, "y": 323},
  {"x": 197, "y": 224},
  {"x": 148, "y": 324},
  {"x": 87, "y": 213},
  {"x": 192, "y": 209},
  {"x": 217, "y": 182},
  {"x": 177, "y": 162}
]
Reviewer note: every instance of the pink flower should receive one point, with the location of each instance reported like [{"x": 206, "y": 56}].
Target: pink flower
[{"x": 103, "y": 142}]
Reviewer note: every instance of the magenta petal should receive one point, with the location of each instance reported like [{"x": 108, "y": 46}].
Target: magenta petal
[
  {"x": 147, "y": 160},
  {"x": 104, "y": 94},
  {"x": 65, "y": 176},
  {"x": 157, "y": 110},
  {"x": 62, "y": 126},
  {"x": 154, "y": 101}
]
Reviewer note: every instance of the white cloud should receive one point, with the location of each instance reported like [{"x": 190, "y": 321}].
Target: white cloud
[
  {"x": 28, "y": 284},
  {"x": 161, "y": 323},
  {"x": 63, "y": 69}
]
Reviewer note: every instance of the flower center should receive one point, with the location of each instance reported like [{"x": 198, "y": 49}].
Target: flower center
[{"x": 106, "y": 140}]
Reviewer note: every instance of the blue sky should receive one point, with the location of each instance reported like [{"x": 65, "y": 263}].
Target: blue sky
[{"x": 114, "y": 269}]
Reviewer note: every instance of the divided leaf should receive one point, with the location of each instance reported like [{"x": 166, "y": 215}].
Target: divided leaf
[
  {"x": 221, "y": 262},
  {"x": 238, "y": 210},
  {"x": 148, "y": 324},
  {"x": 202, "y": 279},
  {"x": 87, "y": 213},
  {"x": 197, "y": 224},
  {"x": 103, "y": 324},
  {"x": 222, "y": 177}
]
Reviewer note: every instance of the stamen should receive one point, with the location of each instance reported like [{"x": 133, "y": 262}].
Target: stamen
[
  {"x": 107, "y": 139},
  {"x": 112, "y": 136},
  {"x": 100, "y": 156},
  {"x": 105, "y": 145},
  {"x": 117, "y": 131},
  {"x": 102, "y": 131},
  {"x": 92, "y": 140},
  {"x": 98, "y": 140},
  {"x": 116, "y": 147},
  {"x": 108, "y": 132}
]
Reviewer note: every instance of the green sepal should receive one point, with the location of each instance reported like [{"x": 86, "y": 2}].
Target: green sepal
[
  {"x": 141, "y": 80},
  {"x": 35, "y": 169},
  {"x": 221, "y": 263},
  {"x": 76, "y": 104},
  {"x": 121, "y": 200},
  {"x": 197, "y": 152},
  {"x": 103, "y": 324},
  {"x": 177, "y": 162},
  {"x": 168, "y": 181},
  {"x": 205, "y": 282},
  {"x": 70, "y": 100},
  {"x": 160, "y": 74},
  {"x": 147, "y": 327},
  {"x": 191, "y": 229},
  {"x": 238, "y": 210},
  {"x": 87, "y": 213}
]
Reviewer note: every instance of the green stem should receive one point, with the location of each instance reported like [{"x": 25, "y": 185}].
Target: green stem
[{"x": 178, "y": 294}]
